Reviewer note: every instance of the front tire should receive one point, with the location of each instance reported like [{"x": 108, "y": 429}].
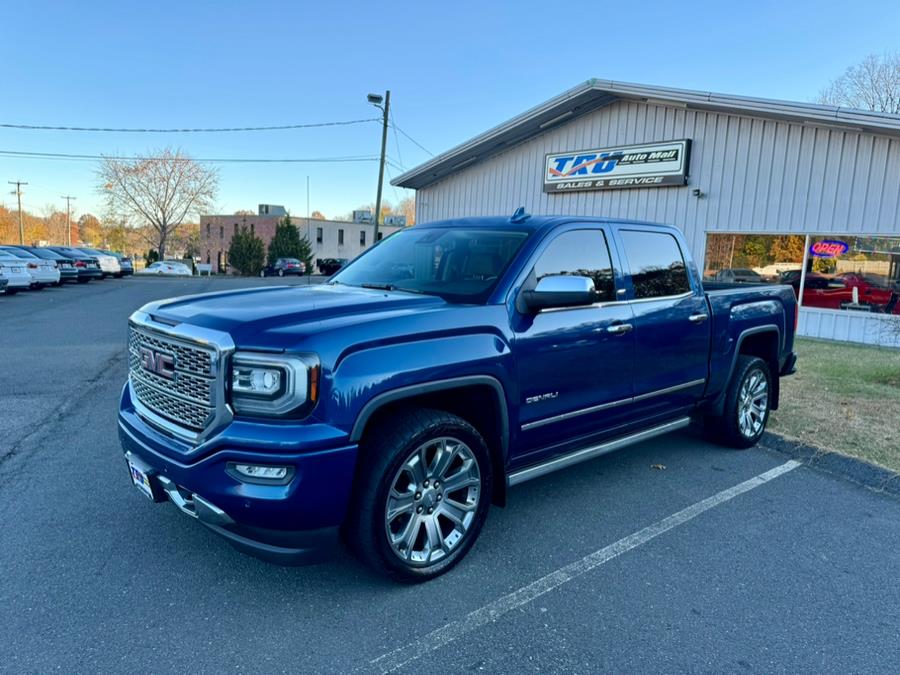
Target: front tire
[
  {"x": 422, "y": 493},
  {"x": 746, "y": 410}
]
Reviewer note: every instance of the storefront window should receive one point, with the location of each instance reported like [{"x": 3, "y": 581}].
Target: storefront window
[{"x": 846, "y": 273}]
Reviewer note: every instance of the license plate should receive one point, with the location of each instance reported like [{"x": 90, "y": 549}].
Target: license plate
[{"x": 140, "y": 478}]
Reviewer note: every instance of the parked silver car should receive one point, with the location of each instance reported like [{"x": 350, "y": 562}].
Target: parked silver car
[
  {"x": 15, "y": 271},
  {"x": 42, "y": 272}
]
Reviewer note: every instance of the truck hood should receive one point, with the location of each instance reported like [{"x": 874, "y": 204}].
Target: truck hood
[{"x": 272, "y": 318}]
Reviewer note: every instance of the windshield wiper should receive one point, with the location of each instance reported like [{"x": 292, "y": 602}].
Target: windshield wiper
[{"x": 390, "y": 287}]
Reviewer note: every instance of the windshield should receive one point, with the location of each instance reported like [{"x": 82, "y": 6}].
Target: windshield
[{"x": 457, "y": 264}]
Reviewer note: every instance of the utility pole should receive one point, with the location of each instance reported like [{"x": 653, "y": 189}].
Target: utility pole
[
  {"x": 18, "y": 194},
  {"x": 375, "y": 100},
  {"x": 308, "y": 240},
  {"x": 68, "y": 218}
]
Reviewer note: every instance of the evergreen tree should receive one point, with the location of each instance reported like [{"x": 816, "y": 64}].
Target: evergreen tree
[
  {"x": 247, "y": 253},
  {"x": 287, "y": 243}
]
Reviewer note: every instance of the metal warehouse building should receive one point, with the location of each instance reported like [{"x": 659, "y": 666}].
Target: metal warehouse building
[{"x": 764, "y": 190}]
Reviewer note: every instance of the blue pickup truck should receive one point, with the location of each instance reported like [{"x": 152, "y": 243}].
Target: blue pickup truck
[{"x": 394, "y": 404}]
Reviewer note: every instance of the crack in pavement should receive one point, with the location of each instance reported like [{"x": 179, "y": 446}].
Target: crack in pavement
[{"x": 46, "y": 425}]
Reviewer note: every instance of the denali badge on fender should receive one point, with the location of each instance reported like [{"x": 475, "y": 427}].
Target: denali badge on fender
[{"x": 159, "y": 363}]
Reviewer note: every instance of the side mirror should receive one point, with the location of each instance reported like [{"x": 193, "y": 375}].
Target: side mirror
[{"x": 561, "y": 291}]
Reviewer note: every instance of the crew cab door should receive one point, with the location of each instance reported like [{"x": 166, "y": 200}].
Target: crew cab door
[
  {"x": 574, "y": 363},
  {"x": 671, "y": 323}
]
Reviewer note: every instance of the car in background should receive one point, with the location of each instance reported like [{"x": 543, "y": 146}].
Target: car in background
[
  {"x": 282, "y": 267},
  {"x": 167, "y": 268},
  {"x": 813, "y": 280},
  {"x": 739, "y": 276},
  {"x": 329, "y": 266},
  {"x": 66, "y": 266},
  {"x": 87, "y": 265},
  {"x": 15, "y": 271},
  {"x": 125, "y": 262},
  {"x": 43, "y": 272},
  {"x": 109, "y": 264},
  {"x": 3, "y": 282}
]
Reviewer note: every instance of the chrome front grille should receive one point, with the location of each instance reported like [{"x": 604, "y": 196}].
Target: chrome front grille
[{"x": 190, "y": 398}]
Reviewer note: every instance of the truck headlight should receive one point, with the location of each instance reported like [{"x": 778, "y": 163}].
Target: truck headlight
[{"x": 272, "y": 385}]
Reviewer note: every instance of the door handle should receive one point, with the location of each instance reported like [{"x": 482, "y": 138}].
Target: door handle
[
  {"x": 698, "y": 318},
  {"x": 619, "y": 328}
]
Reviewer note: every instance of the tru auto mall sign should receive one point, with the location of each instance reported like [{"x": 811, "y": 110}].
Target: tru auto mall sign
[{"x": 627, "y": 166}]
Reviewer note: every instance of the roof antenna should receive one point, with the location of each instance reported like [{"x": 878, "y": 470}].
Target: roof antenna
[{"x": 520, "y": 216}]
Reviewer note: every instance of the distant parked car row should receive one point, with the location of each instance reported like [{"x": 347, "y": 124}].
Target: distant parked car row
[{"x": 34, "y": 267}]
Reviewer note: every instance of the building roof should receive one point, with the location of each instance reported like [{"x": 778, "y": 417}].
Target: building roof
[{"x": 595, "y": 94}]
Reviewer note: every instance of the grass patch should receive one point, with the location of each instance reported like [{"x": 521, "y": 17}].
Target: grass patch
[{"x": 844, "y": 398}]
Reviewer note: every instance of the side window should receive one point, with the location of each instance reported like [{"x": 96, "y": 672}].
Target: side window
[
  {"x": 656, "y": 264},
  {"x": 580, "y": 253}
]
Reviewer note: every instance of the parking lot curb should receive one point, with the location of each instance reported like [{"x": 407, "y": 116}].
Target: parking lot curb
[{"x": 854, "y": 469}]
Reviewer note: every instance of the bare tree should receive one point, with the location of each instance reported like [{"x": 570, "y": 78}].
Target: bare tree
[
  {"x": 873, "y": 84},
  {"x": 160, "y": 190}
]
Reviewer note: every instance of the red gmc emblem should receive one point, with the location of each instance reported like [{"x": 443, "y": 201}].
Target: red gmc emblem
[{"x": 159, "y": 363}]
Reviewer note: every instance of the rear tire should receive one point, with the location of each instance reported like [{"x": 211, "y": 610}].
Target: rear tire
[
  {"x": 421, "y": 494},
  {"x": 746, "y": 409},
  {"x": 262, "y": 274},
  {"x": 281, "y": 273}
]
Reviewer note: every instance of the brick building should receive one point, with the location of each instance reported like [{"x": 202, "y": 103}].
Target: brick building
[{"x": 327, "y": 238}]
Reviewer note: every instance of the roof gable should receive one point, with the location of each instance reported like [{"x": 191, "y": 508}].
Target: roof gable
[{"x": 595, "y": 94}]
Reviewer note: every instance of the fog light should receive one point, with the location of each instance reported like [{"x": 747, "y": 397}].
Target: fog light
[{"x": 262, "y": 472}]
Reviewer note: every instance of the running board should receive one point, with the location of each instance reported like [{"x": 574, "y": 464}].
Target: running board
[{"x": 593, "y": 451}]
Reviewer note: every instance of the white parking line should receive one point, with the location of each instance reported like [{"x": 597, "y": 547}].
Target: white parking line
[{"x": 393, "y": 660}]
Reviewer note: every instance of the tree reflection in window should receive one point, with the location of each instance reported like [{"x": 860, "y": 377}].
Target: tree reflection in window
[{"x": 582, "y": 253}]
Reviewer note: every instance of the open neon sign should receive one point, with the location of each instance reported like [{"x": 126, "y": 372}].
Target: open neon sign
[{"x": 829, "y": 248}]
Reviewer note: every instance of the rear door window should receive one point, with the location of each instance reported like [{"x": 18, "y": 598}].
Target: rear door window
[{"x": 656, "y": 264}]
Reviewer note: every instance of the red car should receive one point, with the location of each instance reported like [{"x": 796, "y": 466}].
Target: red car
[{"x": 839, "y": 292}]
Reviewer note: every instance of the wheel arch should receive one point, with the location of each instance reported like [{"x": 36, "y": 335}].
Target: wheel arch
[
  {"x": 763, "y": 342},
  {"x": 478, "y": 399}
]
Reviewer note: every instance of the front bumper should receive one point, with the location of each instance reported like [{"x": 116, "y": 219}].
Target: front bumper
[{"x": 290, "y": 524}]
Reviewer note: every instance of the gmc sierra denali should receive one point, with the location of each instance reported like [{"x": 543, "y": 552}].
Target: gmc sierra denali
[{"x": 395, "y": 403}]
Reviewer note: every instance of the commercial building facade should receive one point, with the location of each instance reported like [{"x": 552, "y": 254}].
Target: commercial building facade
[
  {"x": 327, "y": 238},
  {"x": 754, "y": 184}
]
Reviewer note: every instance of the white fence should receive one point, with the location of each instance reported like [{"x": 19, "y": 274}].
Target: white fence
[{"x": 848, "y": 326}]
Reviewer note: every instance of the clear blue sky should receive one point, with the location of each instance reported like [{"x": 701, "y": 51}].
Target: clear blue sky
[{"x": 454, "y": 69}]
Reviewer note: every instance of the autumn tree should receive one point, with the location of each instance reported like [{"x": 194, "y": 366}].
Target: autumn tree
[
  {"x": 873, "y": 84},
  {"x": 161, "y": 190},
  {"x": 318, "y": 215},
  {"x": 407, "y": 207},
  {"x": 90, "y": 230}
]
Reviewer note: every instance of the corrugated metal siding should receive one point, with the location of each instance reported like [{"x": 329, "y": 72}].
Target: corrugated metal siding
[
  {"x": 757, "y": 175},
  {"x": 872, "y": 329}
]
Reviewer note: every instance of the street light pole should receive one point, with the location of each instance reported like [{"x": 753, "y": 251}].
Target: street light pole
[
  {"x": 376, "y": 100},
  {"x": 18, "y": 194},
  {"x": 68, "y": 199}
]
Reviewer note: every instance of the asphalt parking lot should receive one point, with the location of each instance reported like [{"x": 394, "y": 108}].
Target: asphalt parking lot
[{"x": 722, "y": 561}]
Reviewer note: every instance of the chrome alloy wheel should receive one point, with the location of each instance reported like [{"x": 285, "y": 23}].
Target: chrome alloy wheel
[
  {"x": 432, "y": 501},
  {"x": 753, "y": 402}
]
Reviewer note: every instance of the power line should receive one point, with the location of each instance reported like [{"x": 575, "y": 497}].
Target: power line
[
  {"x": 209, "y": 160},
  {"x": 281, "y": 127},
  {"x": 397, "y": 142},
  {"x": 413, "y": 140}
]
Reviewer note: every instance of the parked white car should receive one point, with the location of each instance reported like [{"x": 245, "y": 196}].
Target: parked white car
[
  {"x": 176, "y": 269},
  {"x": 109, "y": 264},
  {"x": 15, "y": 271},
  {"x": 43, "y": 272}
]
